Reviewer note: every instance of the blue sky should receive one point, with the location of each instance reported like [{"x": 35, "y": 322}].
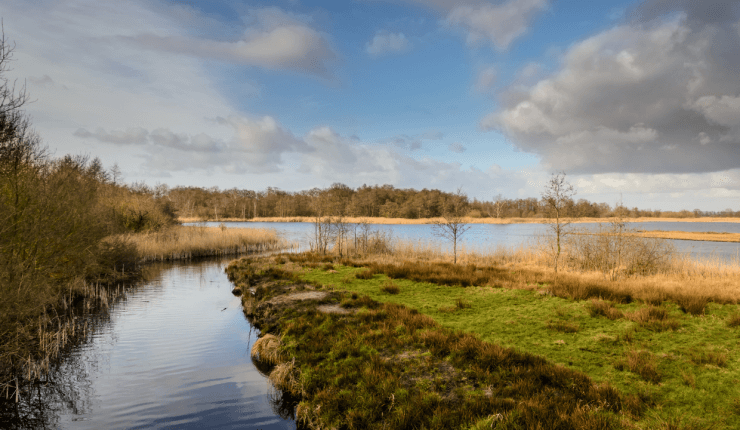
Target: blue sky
[{"x": 638, "y": 99}]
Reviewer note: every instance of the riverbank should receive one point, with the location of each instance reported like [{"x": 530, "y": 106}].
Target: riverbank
[
  {"x": 354, "y": 362},
  {"x": 669, "y": 353},
  {"x": 38, "y": 325},
  {"x": 468, "y": 220}
]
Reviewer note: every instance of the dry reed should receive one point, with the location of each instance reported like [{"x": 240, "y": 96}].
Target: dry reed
[
  {"x": 183, "y": 243},
  {"x": 267, "y": 349}
]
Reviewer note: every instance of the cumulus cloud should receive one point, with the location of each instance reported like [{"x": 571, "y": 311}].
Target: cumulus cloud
[
  {"x": 273, "y": 40},
  {"x": 640, "y": 97},
  {"x": 387, "y": 43}
]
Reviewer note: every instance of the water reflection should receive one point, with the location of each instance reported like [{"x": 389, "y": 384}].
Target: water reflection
[{"x": 172, "y": 353}]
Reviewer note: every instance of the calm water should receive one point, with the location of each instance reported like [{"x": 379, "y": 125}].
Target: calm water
[
  {"x": 482, "y": 236},
  {"x": 173, "y": 354}
]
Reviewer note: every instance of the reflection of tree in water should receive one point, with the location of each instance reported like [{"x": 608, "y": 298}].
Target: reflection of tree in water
[{"x": 66, "y": 387}]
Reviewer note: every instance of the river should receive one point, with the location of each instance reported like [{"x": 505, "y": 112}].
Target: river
[{"x": 172, "y": 353}]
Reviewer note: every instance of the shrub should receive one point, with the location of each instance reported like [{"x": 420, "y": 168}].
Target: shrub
[{"x": 694, "y": 305}]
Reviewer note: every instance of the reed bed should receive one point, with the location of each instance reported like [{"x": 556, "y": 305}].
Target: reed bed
[
  {"x": 188, "y": 242},
  {"x": 710, "y": 236}
]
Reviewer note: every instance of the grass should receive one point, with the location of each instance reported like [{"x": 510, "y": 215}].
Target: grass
[
  {"x": 183, "y": 243},
  {"x": 665, "y": 359},
  {"x": 385, "y": 365}
]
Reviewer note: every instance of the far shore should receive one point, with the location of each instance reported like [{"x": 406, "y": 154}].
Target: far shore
[{"x": 469, "y": 220}]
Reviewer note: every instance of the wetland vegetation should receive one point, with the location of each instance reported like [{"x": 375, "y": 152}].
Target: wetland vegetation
[{"x": 397, "y": 333}]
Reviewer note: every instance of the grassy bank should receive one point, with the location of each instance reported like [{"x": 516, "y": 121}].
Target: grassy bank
[
  {"x": 470, "y": 220},
  {"x": 671, "y": 354},
  {"x": 356, "y": 363}
]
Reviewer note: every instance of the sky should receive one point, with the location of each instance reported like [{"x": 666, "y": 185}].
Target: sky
[{"x": 633, "y": 100}]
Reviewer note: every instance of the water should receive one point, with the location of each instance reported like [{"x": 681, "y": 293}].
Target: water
[
  {"x": 173, "y": 354},
  {"x": 482, "y": 236}
]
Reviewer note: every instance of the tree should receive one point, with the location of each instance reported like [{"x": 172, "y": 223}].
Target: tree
[
  {"x": 452, "y": 225},
  {"x": 558, "y": 195}
]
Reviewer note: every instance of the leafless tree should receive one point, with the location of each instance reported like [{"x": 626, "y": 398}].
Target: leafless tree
[
  {"x": 452, "y": 225},
  {"x": 557, "y": 195}
]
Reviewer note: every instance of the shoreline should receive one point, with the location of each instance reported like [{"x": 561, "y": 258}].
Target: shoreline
[{"x": 468, "y": 220}]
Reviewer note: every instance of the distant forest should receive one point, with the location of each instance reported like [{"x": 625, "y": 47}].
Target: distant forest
[{"x": 378, "y": 201}]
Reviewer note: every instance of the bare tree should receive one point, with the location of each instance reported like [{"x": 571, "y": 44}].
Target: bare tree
[
  {"x": 452, "y": 226},
  {"x": 498, "y": 203},
  {"x": 557, "y": 196}
]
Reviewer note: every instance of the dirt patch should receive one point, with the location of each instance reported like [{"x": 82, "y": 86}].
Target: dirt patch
[{"x": 304, "y": 295}]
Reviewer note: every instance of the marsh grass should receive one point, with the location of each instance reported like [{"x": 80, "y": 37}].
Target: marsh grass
[
  {"x": 562, "y": 326},
  {"x": 390, "y": 288},
  {"x": 711, "y": 357},
  {"x": 187, "y": 242},
  {"x": 645, "y": 335},
  {"x": 653, "y": 318},
  {"x": 734, "y": 320},
  {"x": 642, "y": 363},
  {"x": 389, "y": 366}
]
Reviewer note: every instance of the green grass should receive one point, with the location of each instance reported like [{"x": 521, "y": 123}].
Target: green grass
[
  {"x": 384, "y": 365},
  {"x": 684, "y": 364}
]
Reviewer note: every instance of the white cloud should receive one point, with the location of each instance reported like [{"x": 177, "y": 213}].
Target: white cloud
[
  {"x": 498, "y": 24},
  {"x": 387, "y": 43},
  {"x": 275, "y": 40},
  {"x": 634, "y": 98}
]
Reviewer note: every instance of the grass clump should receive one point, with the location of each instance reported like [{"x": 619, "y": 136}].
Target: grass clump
[
  {"x": 692, "y": 304},
  {"x": 390, "y": 288},
  {"x": 603, "y": 308},
  {"x": 734, "y": 320},
  {"x": 642, "y": 363},
  {"x": 562, "y": 326},
  {"x": 711, "y": 357},
  {"x": 654, "y": 318}
]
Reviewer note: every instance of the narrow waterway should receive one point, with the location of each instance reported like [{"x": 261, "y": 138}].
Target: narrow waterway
[{"x": 173, "y": 353}]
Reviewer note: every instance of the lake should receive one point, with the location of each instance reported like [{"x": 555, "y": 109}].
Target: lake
[{"x": 482, "y": 236}]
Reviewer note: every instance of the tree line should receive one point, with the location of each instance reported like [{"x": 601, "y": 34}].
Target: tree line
[
  {"x": 382, "y": 201},
  {"x": 59, "y": 221}
]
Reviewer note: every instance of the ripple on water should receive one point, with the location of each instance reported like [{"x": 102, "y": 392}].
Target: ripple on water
[{"x": 174, "y": 354}]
